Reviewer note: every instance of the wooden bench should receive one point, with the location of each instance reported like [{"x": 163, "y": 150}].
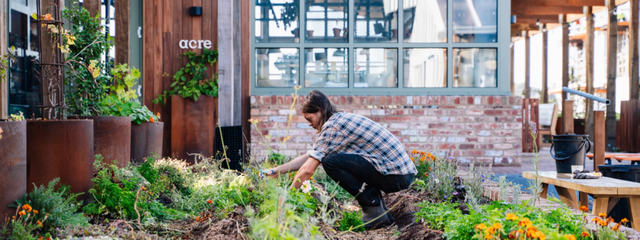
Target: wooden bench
[
  {"x": 605, "y": 191},
  {"x": 633, "y": 157}
]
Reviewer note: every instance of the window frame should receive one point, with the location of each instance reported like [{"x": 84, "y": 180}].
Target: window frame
[{"x": 502, "y": 46}]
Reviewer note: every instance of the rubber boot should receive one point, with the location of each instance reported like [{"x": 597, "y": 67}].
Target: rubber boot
[
  {"x": 386, "y": 209},
  {"x": 371, "y": 212}
]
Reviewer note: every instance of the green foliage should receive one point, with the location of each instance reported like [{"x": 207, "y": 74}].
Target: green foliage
[
  {"x": 16, "y": 117},
  {"x": 351, "y": 222},
  {"x": 87, "y": 89},
  {"x": 4, "y": 63},
  {"x": 122, "y": 100},
  {"x": 59, "y": 205},
  {"x": 438, "y": 176},
  {"x": 191, "y": 81}
]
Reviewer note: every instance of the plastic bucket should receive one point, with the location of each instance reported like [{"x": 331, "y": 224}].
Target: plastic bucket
[{"x": 569, "y": 150}]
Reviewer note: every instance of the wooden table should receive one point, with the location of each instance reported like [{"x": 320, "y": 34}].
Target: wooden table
[
  {"x": 633, "y": 157},
  {"x": 605, "y": 191}
]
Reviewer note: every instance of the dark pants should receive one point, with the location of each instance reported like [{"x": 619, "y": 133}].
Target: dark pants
[{"x": 351, "y": 171}]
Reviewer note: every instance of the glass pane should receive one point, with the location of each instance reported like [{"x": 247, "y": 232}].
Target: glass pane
[
  {"x": 277, "y": 21},
  {"x": 277, "y": 67},
  {"x": 475, "y": 67},
  {"x": 327, "y": 21},
  {"x": 475, "y": 20},
  {"x": 425, "y": 67},
  {"x": 327, "y": 67},
  {"x": 425, "y": 21},
  {"x": 376, "y": 67},
  {"x": 23, "y": 78},
  {"x": 376, "y": 20}
]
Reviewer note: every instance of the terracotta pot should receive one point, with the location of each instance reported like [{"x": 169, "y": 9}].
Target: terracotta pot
[
  {"x": 394, "y": 33},
  {"x": 13, "y": 165},
  {"x": 296, "y": 32},
  {"x": 60, "y": 148},
  {"x": 146, "y": 140},
  {"x": 336, "y": 32},
  {"x": 111, "y": 138},
  {"x": 192, "y": 127},
  {"x": 309, "y": 33}
]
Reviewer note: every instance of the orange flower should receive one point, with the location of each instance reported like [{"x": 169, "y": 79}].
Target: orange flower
[
  {"x": 595, "y": 220},
  {"x": 603, "y": 223},
  {"x": 39, "y": 223},
  {"x": 423, "y": 158},
  {"x": 602, "y": 215},
  {"x": 512, "y": 217},
  {"x": 13, "y": 217},
  {"x": 497, "y": 225},
  {"x": 412, "y": 159},
  {"x": 197, "y": 219},
  {"x": 480, "y": 226},
  {"x": 158, "y": 114},
  {"x": 27, "y": 208},
  {"x": 520, "y": 231},
  {"x": 426, "y": 174},
  {"x": 150, "y": 192},
  {"x": 584, "y": 208},
  {"x": 422, "y": 153},
  {"x": 624, "y": 220},
  {"x": 525, "y": 222},
  {"x": 209, "y": 201},
  {"x": 414, "y": 152},
  {"x": 616, "y": 227},
  {"x": 430, "y": 156},
  {"x": 488, "y": 236},
  {"x": 151, "y": 119},
  {"x": 22, "y": 213},
  {"x": 513, "y": 234},
  {"x": 144, "y": 189},
  {"x": 35, "y": 211},
  {"x": 570, "y": 237},
  {"x": 584, "y": 234}
]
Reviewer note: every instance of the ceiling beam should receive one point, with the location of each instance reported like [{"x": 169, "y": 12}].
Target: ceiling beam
[
  {"x": 559, "y": 3},
  {"x": 533, "y": 10}
]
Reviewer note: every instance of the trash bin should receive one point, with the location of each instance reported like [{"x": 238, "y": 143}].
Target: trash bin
[{"x": 622, "y": 172}]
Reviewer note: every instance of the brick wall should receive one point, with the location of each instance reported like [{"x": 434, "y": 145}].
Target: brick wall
[{"x": 484, "y": 129}]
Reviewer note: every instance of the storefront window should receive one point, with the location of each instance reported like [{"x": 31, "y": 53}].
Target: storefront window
[{"x": 386, "y": 46}]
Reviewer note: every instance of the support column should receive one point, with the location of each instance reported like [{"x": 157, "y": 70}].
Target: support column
[
  {"x": 565, "y": 62},
  {"x": 513, "y": 85},
  {"x": 527, "y": 61},
  {"x": 545, "y": 90},
  {"x": 633, "y": 50},
  {"x": 93, "y": 6},
  {"x": 588, "y": 61},
  {"x": 229, "y": 70},
  {"x": 4, "y": 94},
  {"x": 612, "y": 45},
  {"x": 122, "y": 41}
]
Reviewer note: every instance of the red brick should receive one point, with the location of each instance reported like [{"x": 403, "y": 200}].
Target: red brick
[
  {"x": 469, "y": 100},
  {"x": 428, "y": 119},
  {"x": 493, "y": 126},
  {"x": 436, "y": 125},
  {"x": 512, "y": 100},
  {"x": 443, "y": 100},
  {"x": 446, "y": 146},
  {"x": 446, "y": 132},
  {"x": 428, "y": 132},
  {"x": 474, "y": 125},
  {"x": 390, "y": 119},
  {"x": 465, "y": 133},
  {"x": 472, "y": 139},
  {"x": 456, "y": 112},
  {"x": 486, "y": 146},
  {"x": 417, "y": 112},
  {"x": 490, "y": 100},
  {"x": 349, "y": 100},
  {"x": 474, "y": 153},
  {"x": 466, "y": 146},
  {"x": 474, "y": 112},
  {"x": 431, "y": 100},
  {"x": 454, "y": 126},
  {"x": 456, "y": 100},
  {"x": 465, "y": 119},
  {"x": 493, "y": 112},
  {"x": 415, "y": 100},
  {"x": 424, "y": 100},
  {"x": 484, "y": 160},
  {"x": 435, "y": 112},
  {"x": 498, "y": 100},
  {"x": 503, "y": 133}
]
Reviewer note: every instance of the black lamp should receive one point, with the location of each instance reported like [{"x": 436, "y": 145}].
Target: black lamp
[{"x": 195, "y": 11}]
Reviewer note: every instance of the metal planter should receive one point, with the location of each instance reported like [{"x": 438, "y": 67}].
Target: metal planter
[
  {"x": 112, "y": 138},
  {"x": 13, "y": 165},
  {"x": 146, "y": 140},
  {"x": 192, "y": 126}
]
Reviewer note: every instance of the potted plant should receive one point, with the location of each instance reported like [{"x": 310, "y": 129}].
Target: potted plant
[
  {"x": 193, "y": 116},
  {"x": 146, "y": 129},
  {"x": 13, "y": 159},
  {"x": 59, "y": 147},
  {"x": 88, "y": 90}
]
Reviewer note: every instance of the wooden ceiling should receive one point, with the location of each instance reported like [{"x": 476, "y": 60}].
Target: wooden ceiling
[{"x": 530, "y": 12}]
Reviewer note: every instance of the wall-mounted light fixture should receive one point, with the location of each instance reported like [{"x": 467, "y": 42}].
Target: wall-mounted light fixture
[{"x": 195, "y": 11}]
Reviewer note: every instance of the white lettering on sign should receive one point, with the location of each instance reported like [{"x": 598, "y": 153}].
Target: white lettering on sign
[{"x": 194, "y": 44}]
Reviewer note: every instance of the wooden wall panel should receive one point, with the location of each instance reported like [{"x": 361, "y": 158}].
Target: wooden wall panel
[
  {"x": 165, "y": 23},
  {"x": 122, "y": 39},
  {"x": 4, "y": 94},
  {"x": 246, "y": 74}
]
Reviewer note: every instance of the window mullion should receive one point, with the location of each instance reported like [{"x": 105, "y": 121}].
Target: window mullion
[
  {"x": 450, "y": 63},
  {"x": 400, "y": 54},
  {"x": 350, "y": 48},
  {"x": 302, "y": 56}
]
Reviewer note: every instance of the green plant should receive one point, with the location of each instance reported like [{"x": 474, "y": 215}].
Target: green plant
[
  {"x": 23, "y": 226},
  {"x": 4, "y": 63},
  {"x": 191, "y": 80},
  {"x": 86, "y": 76},
  {"x": 122, "y": 100},
  {"x": 58, "y": 206},
  {"x": 16, "y": 117},
  {"x": 351, "y": 222}
]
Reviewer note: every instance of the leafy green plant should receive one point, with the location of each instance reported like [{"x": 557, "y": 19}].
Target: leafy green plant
[
  {"x": 86, "y": 76},
  {"x": 351, "y": 222},
  {"x": 191, "y": 81},
  {"x": 23, "y": 226},
  {"x": 4, "y": 63},
  {"x": 16, "y": 117},
  {"x": 58, "y": 206},
  {"x": 122, "y": 100}
]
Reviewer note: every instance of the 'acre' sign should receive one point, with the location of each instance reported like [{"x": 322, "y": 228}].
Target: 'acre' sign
[{"x": 195, "y": 44}]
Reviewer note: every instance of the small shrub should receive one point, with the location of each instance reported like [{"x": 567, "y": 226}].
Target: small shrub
[{"x": 351, "y": 222}]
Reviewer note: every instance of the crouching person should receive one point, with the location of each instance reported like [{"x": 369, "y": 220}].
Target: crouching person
[{"x": 359, "y": 154}]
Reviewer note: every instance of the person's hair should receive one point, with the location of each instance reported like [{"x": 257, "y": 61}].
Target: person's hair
[{"x": 317, "y": 101}]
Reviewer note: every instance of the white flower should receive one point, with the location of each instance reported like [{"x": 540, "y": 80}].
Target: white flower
[
  {"x": 437, "y": 181},
  {"x": 306, "y": 186}
]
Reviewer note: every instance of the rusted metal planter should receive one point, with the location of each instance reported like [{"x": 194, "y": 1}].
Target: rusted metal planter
[
  {"x": 192, "y": 127},
  {"x": 13, "y": 165},
  {"x": 146, "y": 140},
  {"x": 60, "y": 148},
  {"x": 111, "y": 138}
]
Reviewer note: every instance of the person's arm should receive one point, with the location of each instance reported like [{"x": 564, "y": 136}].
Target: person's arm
[
  {"x": 293, "y": 165},
  {"x": 305, "y": 172}
]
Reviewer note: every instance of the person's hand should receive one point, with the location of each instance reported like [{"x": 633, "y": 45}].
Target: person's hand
[{"x": 273, "y": 172}]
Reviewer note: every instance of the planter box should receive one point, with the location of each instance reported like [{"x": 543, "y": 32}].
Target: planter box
[
  {"x": 13, "y": 165},
  {"x": 111, "y": 138},
  {"x": 192, "y": 127},
  {"x": 60, "y": 148},
  {"x": 146, "y": 140}
]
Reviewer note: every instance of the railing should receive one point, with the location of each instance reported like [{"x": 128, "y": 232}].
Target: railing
[{"x": 586, "y": 95}]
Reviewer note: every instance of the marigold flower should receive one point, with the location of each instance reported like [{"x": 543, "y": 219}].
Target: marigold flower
[
  {"x": 35, "y": 211},
  {"x": 525, "y": 222},
  {"x": 624, "y": 220},
  {"x": 480, "y": 226},
  {"x": 602, "y": 215},
  {"x": 426, "y": 174},
  {"x": 492, "y": 230},
  {"x": 158, "y": 114},
  {"x": 520, "y": 230},
  {"x": 22, "y": 213},
  {"x": 584, "y": 208},
  {"x": 570, "y": 237},
  {"x": 512, "y": 217},
  {"x": 513, "y": 234},
  {"x": 150, "y": 192},
  {"x": 39, "y": 223},
  {"x": 144, "y": 189},
  {"x": 488, "y": 236},
  {"x": 603, "y": 223},
  {"x": 497, "y": 225},
  {"x": 13, "y": 217},
  {"x": 197, "y": 219},
  {"x": 26, "y": 207},
  {"x": 609, "y": 219},
  {"x": 616, "y": 227},
  {"x": 151, "y": 119},
  {"x": 254, "y": 121},
  {"x": 47, "y": 215},
  {"x": 431, "y": 156},
  {"x": 584, "y": 234},
  {"x": 423, "y": 158},
  {"x": 595, "y": 220},
  {"x": 540, "y": 235},
  {"x": 412, "y": 159},
  {"x": 422, "y": 153},
  {"x": 209, "y": 201},
  {"x": 414, "y": 152}
]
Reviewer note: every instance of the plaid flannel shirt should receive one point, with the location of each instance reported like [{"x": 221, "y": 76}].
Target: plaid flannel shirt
[{"x": 353, "y": 134}]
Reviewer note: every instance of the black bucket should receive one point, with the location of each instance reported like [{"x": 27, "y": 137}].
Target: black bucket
[{"x": 569, "y": 150}]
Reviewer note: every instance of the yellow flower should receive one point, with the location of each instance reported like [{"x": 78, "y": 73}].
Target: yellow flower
[
  {"x": 624, "y": 220},
  {"x": 603, "y": 223},
  {"x": 525, "y": 222},
  {"x": 144, "y": 189},
  {"x": 254, "y": 121},
  {"x": 584, "y": 234},
  {"x": 512, "y": 217},
  {"x": 27, "y": 208},
  {"x": 492, "y": 230},
  {"x": 595, "y": 220},
  {"x": 520, "y": 231},
  {"x": 48, "y": 17},
  {"x": 540, "y": 235},
  {"x": 570, "y": 237},
  {"x": 616, "y": 227},
  {"x": 480, "y": 226},
  {"x": 488, "y": 236},
  {"x": 497, "y": 225},
  {"x": 602, "y": 215},
  {"x": 414, "y": 152},
  {"x": 584, "y": 208}
]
